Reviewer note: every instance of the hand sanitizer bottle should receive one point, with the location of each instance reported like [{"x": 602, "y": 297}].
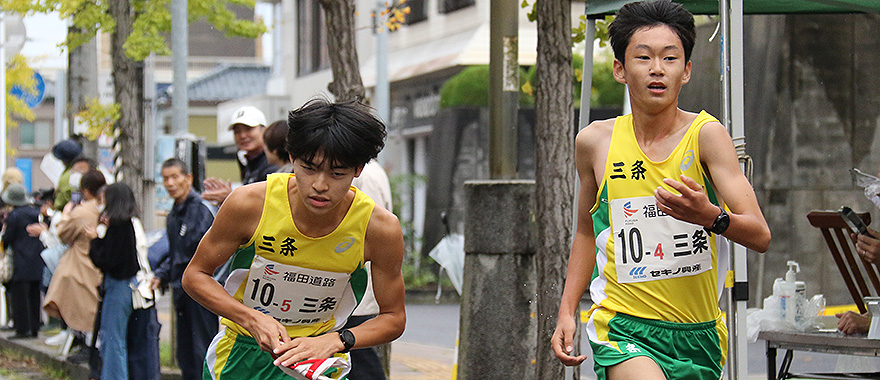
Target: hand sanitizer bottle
[{"x": 788, "y": 290}]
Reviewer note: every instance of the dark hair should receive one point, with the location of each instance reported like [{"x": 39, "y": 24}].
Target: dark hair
[
  {"x": 634, "y": 16},
  {"x": 176, "y": 163},
  {"x": 347, "y": 133},
  {"x": 275, "y": 138},
  {"x": 45, "y": 195},
  {"x": 92, "y": 181},
  {"x": 119, "y": 203},
  {"x": 92, "y": 163}
]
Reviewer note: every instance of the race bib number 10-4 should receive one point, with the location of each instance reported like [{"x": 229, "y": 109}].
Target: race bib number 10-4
[
  {"x": 293, "y": 295},
  {"x": 650, "y": 245}
]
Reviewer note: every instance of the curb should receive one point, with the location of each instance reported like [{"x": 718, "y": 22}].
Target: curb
[{"x": 48, "y": 356}]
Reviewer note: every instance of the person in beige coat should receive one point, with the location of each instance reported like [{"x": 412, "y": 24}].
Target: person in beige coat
[{"x": 73, "y": 291}]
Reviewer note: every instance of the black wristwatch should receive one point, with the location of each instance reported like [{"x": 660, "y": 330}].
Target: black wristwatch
[
  {"x": 721, "y": 223},
  {"x": 347, "y": 339}
]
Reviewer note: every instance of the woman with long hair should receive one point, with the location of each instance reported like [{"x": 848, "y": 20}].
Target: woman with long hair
[{"x": 119, "y": 239}]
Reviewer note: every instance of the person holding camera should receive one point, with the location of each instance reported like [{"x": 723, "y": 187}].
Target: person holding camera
[{"x": 73, "y": 292}]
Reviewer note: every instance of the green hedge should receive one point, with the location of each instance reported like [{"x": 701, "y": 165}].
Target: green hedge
[{"x": 470, "y": 87}]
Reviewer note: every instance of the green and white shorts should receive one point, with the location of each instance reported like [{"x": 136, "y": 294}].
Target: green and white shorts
[
  {"x": 235, "y": 356},
  {"x": 681, "y": 350}
]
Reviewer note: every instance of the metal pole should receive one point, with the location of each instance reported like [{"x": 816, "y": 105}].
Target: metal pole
[
  {"x": 587, "y": 68},
  {"x": 737, "y": 128},
  {"x": 180, "y": 56},
  {"x": 503, "y": 88},
  {"x": 60, "y": 105},
  {"x": 3, "y": 98},
  {"x": 381, "y": 97},
  {"x": 731, "y": 13}
]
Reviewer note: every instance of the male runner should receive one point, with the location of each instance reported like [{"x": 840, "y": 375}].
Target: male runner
[
  {"x": 302, "y": 241},
  {"x": 661, "y": 192}
]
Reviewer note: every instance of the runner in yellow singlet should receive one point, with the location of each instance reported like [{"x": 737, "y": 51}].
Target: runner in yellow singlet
[
  {"x": 300, "y": 242},
  {"x": 661, "y": 192}
]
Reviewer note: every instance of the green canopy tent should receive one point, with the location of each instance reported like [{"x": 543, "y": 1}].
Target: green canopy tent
[
  {"x": 608, "y": 7},
  {"x": 731, "y": 17}
]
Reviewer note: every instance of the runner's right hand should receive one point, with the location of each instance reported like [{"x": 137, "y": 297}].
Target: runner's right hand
[
  {"x": 268, "y": 332},
  {"x": 562, "y": 342}
]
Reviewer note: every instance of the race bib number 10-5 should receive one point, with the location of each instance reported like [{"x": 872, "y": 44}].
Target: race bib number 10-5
[
  {"x": 651, "y": 245},
  {"x": 293, "y": 295}
]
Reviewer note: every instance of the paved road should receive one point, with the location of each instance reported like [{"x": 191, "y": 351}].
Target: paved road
[{"x": 432, "y": 330}]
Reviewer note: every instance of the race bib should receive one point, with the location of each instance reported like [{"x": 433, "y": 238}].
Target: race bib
[
  {"x": 292, "y": 295},
  {"x": 651, "y": 245}
]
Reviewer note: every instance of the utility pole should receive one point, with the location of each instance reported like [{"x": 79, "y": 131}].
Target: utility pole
[
  {"x": 381, "y": 96},
  {"x": 179, "y": 57},
  {"x": 3, "y": 100},
  {"x": 503, "y": 88}
]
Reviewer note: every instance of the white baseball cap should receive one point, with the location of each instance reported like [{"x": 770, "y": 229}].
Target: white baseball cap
[{"x": 247, "y": 115}]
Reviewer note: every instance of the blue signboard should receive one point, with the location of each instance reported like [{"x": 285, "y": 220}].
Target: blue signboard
[
  {"x": 26, "y": 167},
  {"x": 31, "y": 99}
]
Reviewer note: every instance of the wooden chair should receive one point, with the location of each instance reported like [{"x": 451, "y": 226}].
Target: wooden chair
[{"x": 856, "y": 276}]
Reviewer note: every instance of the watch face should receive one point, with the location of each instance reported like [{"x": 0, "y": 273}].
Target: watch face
[
  {"x": 347, "y": 338},
  {"x": 721, "y": 223}
]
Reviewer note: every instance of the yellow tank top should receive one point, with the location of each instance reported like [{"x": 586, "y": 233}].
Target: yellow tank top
[
  {"x": 310, "y": 285},
  {"x": 649, "y": 264}
]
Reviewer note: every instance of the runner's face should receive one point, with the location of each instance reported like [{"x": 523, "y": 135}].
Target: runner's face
[
  {"x": 655, "y": 67},
  {"x": 177, "y": 184},
  {"x": 321, "y": 187}
]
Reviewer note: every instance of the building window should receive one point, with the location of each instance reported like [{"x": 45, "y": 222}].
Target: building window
[
  {"x": 418, "y": 11},
  {"x": 311, "y": 38},
  {"x": 26, "y": 134},
  {"x": 447, "y": 6},
  {"x": 35, "y": 135}
]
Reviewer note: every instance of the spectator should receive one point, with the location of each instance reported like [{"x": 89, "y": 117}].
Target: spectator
[
  {"x": 117, "y": 241},
  {"x": 28, "y": 266},
  {"x": 66, "y": 151},
  {"x": 868, "y": 247},
  {"x": 10, "y": 175},
  {"x": 189, "y": 219},
  {"x": 274, "y": 140},
  {"x": 247, "y": 124},
  {"x": 365, "y": 362},
  {"x": 46, "y": 229},
  {"x": 73, "y": 292}
]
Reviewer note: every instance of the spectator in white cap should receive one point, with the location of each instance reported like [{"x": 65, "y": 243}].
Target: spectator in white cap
[{"x": 247, "y": 125}]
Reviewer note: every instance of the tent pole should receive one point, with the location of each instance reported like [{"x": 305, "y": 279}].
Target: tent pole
[
  {"x": 587, "y": 82},
  {"x": 737, "y": 125},
  {"x": 731, "y": 12}
]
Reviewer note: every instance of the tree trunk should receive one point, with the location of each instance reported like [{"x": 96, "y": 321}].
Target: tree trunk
[
  {"x": 342, "y": 48},
  {"x": 554, "y": 174},
  {"x": 128, "y": 87},
  {"x": 339, "y": 17}
]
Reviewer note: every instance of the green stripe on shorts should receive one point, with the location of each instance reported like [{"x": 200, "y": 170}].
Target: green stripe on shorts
[{"x": 681, "y": 350}]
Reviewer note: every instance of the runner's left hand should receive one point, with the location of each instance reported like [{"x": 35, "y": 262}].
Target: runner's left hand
[{"x": 691, "y": 206}]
